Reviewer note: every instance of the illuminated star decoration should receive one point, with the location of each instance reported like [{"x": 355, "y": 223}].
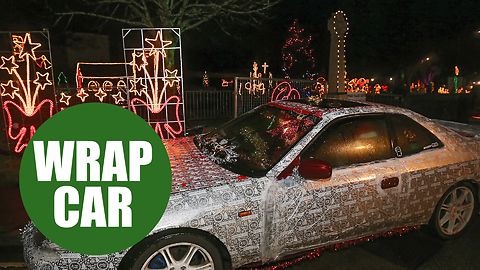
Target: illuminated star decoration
[
  {"x": 156, "y": 80},
  {"x": 118, "y": 97},
  {"x": 163, "y": 43},
  {"x": 9, "y": 64},
  {"x": 171, "y": 77},
  {"x": 100, "y": 94},
  {"x": 65, "y": 98},
  {"x": 27, "y": 47},
  {"x": 134, "y": 83},
  {"x": 44, "y": 78},
  {"x": 82, "y": 94},
  {"x": 138, "y": 62},
  {"x": 9, "y": 89}
]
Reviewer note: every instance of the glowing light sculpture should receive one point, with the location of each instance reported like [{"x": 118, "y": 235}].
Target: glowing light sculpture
[
  {"x": 101, "y": 82},
  {"x": 338, "y": 27},
  {"x": 285, "y": 90},
  {"x": 297, "y": 57},
  {"x": 26, "y": 82},
  {"x": 154, "y": 73}
]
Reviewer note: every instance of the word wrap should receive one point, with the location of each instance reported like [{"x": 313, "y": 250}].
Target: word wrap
[{"x": 87, "y": 155}]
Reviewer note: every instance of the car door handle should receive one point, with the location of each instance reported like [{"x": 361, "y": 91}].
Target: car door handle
[{"x": 390, "y": 182}]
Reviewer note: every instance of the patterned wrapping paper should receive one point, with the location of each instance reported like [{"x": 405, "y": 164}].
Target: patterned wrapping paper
[
  {"x": 193, "y": 170},
  {"x": 295, "y": 214}
]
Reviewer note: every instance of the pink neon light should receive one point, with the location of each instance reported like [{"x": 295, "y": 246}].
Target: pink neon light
[
  {"x": 292, "y": 92},
  {"x": 166, "y": 126},
  {"x": 23, "y": 130}
]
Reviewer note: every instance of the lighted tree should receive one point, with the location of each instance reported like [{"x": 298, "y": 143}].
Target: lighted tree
[
  {"x": 205, "y": 79},
  {"x": 298, "y": 61},
  {"x": 183, "y": 14}
]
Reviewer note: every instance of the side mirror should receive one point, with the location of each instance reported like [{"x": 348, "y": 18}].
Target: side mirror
[{"x": 311, "y": 168}]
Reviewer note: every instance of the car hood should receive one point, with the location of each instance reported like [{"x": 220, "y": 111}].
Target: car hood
[{"x": 193, "y": 170}]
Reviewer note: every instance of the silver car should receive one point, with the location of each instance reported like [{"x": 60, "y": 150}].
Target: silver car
[{"x": 291, "y": 176}]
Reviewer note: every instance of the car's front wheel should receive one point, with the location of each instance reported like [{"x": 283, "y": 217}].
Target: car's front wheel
[
  {"x": 455, "y": 211},
  {"x": 180, "y": 251}
]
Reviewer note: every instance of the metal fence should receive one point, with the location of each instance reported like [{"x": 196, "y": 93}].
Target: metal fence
[
  {"x": 208, "y": 104},
  {"x": 252, "y": 92}
]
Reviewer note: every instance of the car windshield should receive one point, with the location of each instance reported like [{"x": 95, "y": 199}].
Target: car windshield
[{"x": 254, "y": 142}]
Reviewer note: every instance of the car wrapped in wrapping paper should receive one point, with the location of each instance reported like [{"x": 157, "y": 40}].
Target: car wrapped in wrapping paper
[{"x": 291, "y": 176}]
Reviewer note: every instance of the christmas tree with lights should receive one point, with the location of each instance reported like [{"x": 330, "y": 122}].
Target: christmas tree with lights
[
  {"x": 298, "y": 61},
  {"x": 205, "y": 79}
]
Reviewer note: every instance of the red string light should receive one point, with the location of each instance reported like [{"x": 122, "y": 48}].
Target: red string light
[{"x": 297, "y": 45}]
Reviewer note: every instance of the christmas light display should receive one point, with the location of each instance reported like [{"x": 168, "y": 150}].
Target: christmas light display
[
  {"x": 319, "y": 87},
  {"x": 65, "y": 98},
  {"x": 103, "y": 79},
  {"x": 82, "y": 94},
  {"x": 455, "y": 79},
  {"x": 154, "y": 72},
  {"x": 225, "y": 83},
  {"x": 100, "y": 94},
  {"x": 26, "y": 84},
  {"x": 61, "y": 78},
  {"x": 255, "y": 87},
  {"x": 338, "y": 27},
  {"x": 362, "y": 85},
  {"x": 443, "y": 90},
  {"x": 205, "y": 79},
  {"x": 296, "y": 52},
  {"x": 285, "y": 90},
  {"x": 118, "y": 97},
  {"x": 357, "y": 85}
]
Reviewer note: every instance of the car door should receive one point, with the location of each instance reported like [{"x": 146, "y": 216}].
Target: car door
[
  {"x": 362, "y": 196},
  {"x": 427, "y": 163}
]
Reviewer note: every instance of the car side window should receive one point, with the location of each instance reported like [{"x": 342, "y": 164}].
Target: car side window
[
  {"x": 411, "y": 137},
  {"x": 351, "y": 141}
]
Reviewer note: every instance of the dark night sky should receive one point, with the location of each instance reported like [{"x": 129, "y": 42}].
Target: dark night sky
[{"x": 385, "y": 37}]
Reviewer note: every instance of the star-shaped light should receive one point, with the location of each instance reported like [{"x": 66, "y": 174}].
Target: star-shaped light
[
  {"x": 163, "y": 43},
  {"x": 139, "y": 61},
  {"x": 118, "y": 97},
  {"x": 82, "y": 94},
  {"x": 9, "y": 89},
  {"x": 171, "y": 77},
  {"x": 100, "y": 94},
  {"x": 44, "y": 81},
  {"x": 8, "y": 64},
  {"x": 65, "y": 98},
  {"x": 134, "y": 89},
  {"x": 28, "y": 48}
]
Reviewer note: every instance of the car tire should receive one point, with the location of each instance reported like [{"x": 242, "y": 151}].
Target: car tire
[
  {"x": 455, "y": 211},
  {"x": 177, "y": 251}
]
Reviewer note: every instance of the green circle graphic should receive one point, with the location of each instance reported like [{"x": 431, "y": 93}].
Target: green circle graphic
[{"x": 95, "y": 178}]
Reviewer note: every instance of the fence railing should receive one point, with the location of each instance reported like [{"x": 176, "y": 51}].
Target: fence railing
[
  {"x": 201, "y": 105},
  {"x": 252, "y": 92}
]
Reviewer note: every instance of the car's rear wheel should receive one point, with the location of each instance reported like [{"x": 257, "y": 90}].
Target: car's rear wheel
[
  {"x": 181, "y": 251},
  {"x": 455, "y": 211}
]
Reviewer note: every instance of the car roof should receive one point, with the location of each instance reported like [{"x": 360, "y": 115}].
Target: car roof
[{"x": 315, "y": 106}]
